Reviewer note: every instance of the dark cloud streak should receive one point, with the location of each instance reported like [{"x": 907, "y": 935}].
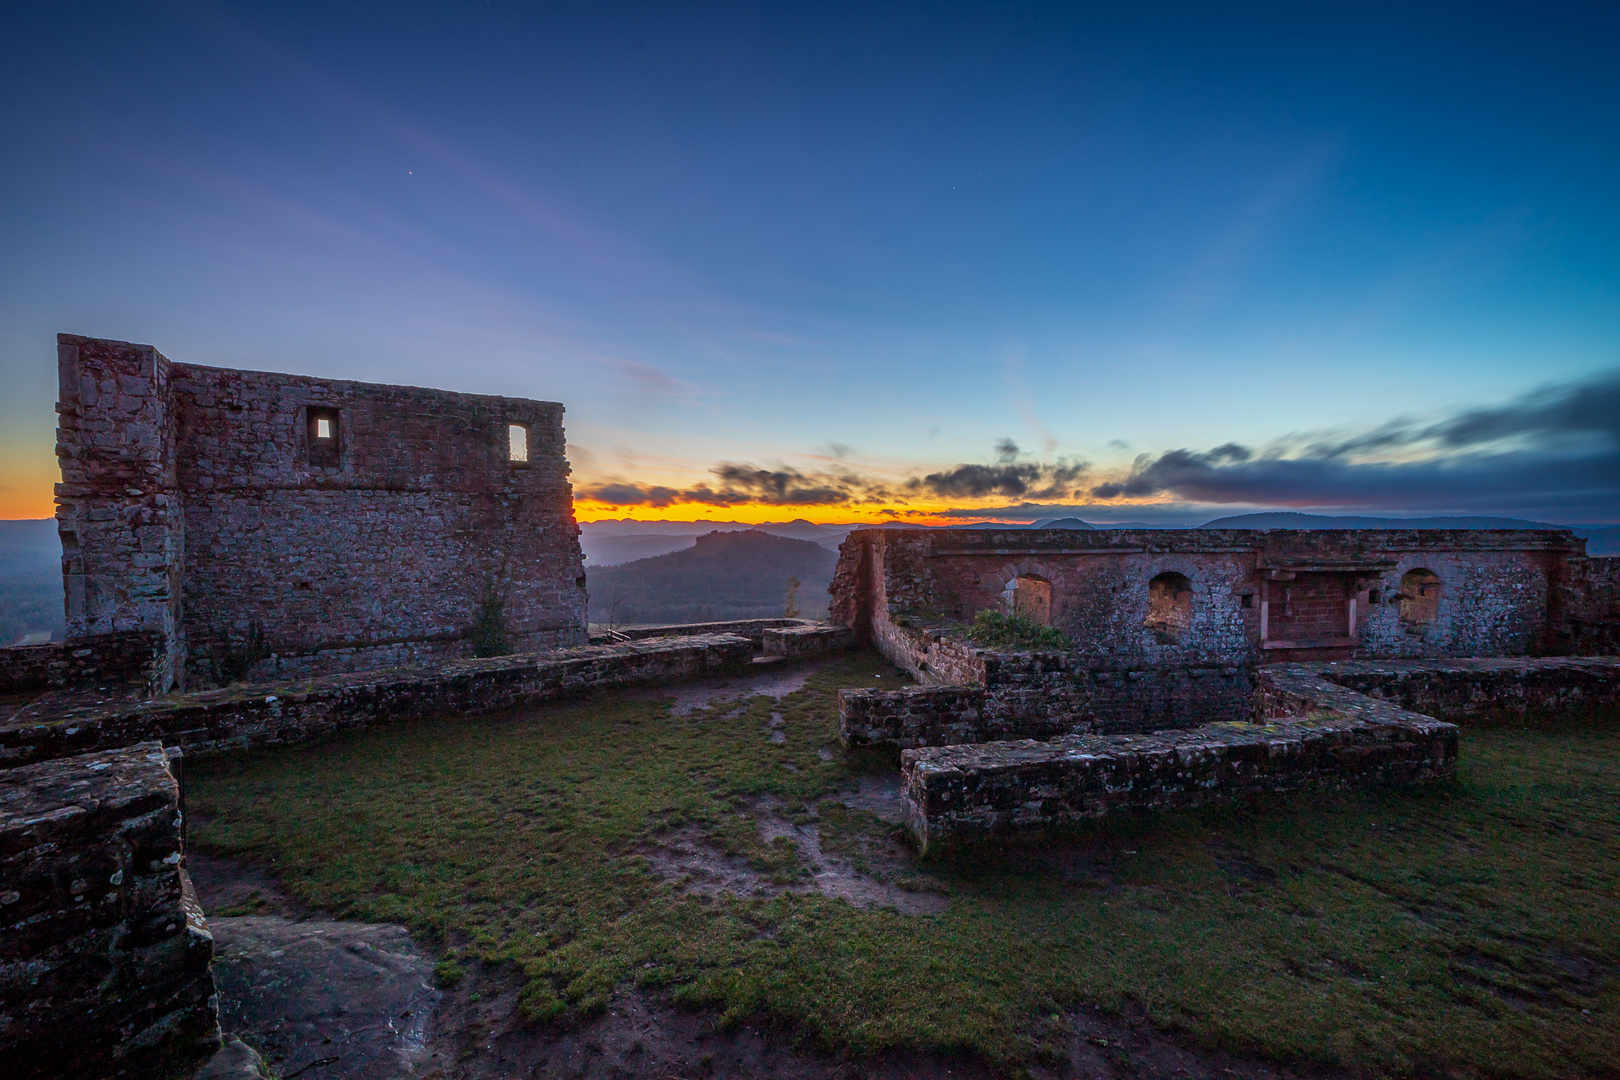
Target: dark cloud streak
[{"x": 1556, "y": 450}]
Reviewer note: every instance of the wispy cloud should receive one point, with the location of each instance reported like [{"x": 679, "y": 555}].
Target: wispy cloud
[{"x": 1555, "y": 450}]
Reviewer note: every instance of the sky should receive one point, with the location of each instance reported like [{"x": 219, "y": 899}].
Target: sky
[{"x": 939, "y": 262}]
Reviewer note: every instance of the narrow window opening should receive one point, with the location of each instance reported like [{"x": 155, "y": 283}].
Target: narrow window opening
[
  {"x": 1246, "y": 600},
  {"x": 1169, "y": 607},
  {"x": 517, "y": 442},
  {"x": 324, "y": 433}
]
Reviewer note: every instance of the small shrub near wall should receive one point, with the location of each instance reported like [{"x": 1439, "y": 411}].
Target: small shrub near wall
[{"x": 1015, "y": 632}]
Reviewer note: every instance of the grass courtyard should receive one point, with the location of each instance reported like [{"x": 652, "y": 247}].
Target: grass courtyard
[{"x": 1466, "y": 928}]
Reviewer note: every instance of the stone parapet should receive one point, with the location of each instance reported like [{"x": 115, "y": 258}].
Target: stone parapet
[
  {"x": 104, "y": 954},
  {"x": 753, "y": 629},
  {"x": 268, "y": 714},
  {"x": 128, "y": 658}
]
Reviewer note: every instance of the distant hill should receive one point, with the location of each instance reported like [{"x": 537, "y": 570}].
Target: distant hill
[
  {"x": 725, "y": 575},
  {"x": 30, "y": 580},
  {"x": 613, "y": 550},
  {"x": 610, "y": 542},
  {"x": 1600, "y": 539}
]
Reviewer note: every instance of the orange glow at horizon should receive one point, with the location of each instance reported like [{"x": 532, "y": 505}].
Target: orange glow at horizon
[
  {"x": 27, "y": 489},
  {"x": 589, "y": 510}
]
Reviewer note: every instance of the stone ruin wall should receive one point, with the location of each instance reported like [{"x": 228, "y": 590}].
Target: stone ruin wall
[
  {"x": 196, "y": 505},
  {"x": 1502, "y": 593},
  {"x": 1499, "y": 595}
]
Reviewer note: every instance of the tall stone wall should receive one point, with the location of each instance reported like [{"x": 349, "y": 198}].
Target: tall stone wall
[
  {"x": 272, "y": 526},
  {"x": 380, "y": 552}
]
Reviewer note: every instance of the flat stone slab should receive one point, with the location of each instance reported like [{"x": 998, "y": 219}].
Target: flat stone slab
[{"x": 358, "y": 997}]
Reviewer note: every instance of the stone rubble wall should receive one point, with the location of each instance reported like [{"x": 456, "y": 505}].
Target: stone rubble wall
[
  {"x": 270, "y": 714},
  {"x": 937, "y": 716},
  {"x": 1052, "y": 692},
  {"x": 807, "y": 641},
  {"x": 128, "y": 658},
  {"x": 1458, "y": 691},
  {"x": 954, "y": 793},
  {"x": 104, "y": 953}
]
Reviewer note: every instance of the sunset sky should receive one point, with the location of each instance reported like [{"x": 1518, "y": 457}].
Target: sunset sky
[{"x": 1154, "y": 262}]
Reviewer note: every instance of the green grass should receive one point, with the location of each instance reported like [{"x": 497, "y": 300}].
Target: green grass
[{"x": 1463, "y": 926}]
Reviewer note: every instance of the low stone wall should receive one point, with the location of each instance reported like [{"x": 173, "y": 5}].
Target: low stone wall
[
  {"x": 938, "y": 716},
  {"x": 111, "y": 658},
  {"x": 753, "y": 629},
  {"x": 104, "y": 954},
  {"x": 1039, "y": 694},
  {"x": 278, "y": 713},
  {"x": 1459, "y": 691},
  {"x": 957, "y": 792},
  {"x": 806, "y": 641}
]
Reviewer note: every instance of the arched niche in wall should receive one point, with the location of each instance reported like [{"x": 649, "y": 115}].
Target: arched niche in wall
[
  {"x": 1169, "y": 607},
  {"x": 1029, "y": 596},
  {"x": 1419, "y": 602}
]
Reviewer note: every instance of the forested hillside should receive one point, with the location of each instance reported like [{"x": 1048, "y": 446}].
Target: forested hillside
[{"x": 726, "y": 575}]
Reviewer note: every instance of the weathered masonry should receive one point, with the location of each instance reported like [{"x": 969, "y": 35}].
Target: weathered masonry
[
  {"x": 1167, "y": 628},
  {"x": 241, "y": 524}
]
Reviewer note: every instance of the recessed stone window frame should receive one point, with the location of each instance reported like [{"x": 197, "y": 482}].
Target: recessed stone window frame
[
  {"x": 323, "y": 435},
  {"x": 1169, "y": 607},
  {"x": 518, "y": 450},
  {"x": 1420, "y": 597}
]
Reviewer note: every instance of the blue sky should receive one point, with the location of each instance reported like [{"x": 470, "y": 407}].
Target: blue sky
[{"x": 848, "y": 251}]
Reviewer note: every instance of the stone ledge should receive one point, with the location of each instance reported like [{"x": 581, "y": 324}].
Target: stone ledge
[
  {"x": 270, "y": 714},
  {"x": 104, "y": 955},
  {"x": 810, "y": 640},
  {"x": 753, "y": 629}
]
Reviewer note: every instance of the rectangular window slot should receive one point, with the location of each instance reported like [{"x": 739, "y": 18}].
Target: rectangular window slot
[
  {"x": 325, "y": 434},
  {"x": 517, "y": 441}
]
